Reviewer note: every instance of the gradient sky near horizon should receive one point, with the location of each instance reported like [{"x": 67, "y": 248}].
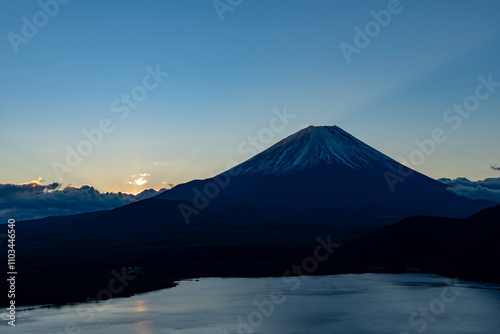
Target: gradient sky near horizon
[{"x": 227, "y": 76}]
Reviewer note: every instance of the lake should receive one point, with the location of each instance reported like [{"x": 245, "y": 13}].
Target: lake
[{"x": 367, "y": 303}]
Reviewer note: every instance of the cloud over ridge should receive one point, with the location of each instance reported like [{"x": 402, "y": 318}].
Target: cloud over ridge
[
  {"x": 33, "y": 200},
  {"x": 488, "y": 189}
]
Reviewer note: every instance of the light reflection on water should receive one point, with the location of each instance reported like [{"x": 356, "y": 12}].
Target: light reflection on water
[
  {"x": 142, "y": 327},
  {"x": 141, "y": 306}
]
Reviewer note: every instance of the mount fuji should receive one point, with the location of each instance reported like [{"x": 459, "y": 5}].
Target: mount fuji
[
  {"x": 321, "y": 175},
  {"x": 315, "y": 146}
]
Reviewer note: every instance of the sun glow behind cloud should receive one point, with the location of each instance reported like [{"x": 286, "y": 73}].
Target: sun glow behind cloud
[
  {"x": 33, "y": 182},
  {"x": 140, "y": 181}
]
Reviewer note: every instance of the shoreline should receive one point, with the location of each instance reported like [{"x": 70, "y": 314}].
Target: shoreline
[{"x": 175, "y": 283}]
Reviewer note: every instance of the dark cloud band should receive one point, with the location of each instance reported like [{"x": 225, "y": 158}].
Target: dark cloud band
[
  {"x": 35, "y": 200},
  {"x": 488, "y": 189}
]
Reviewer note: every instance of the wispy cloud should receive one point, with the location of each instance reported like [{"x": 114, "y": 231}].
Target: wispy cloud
[{"x": 34, "y": 200}]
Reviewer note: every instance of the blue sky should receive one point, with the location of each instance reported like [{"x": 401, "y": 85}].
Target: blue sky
[{"x": 227, "y": 76}]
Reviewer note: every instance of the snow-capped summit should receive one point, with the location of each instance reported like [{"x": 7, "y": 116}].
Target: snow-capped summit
[{"x": 313, "y": 146}]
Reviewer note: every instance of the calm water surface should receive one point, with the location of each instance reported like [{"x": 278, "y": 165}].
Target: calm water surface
[{"x": 368, "y": 303}]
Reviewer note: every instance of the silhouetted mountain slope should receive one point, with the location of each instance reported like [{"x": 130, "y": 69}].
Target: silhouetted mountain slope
[
  {"x": 465, "y": 248},
  {"x": 322, "y": 175}
]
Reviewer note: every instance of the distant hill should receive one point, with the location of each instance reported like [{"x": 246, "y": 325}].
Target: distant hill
[{"x": 464, "y": 248}]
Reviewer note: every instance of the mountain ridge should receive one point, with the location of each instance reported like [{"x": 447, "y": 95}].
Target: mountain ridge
[{"x": 465, "y": 248}]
